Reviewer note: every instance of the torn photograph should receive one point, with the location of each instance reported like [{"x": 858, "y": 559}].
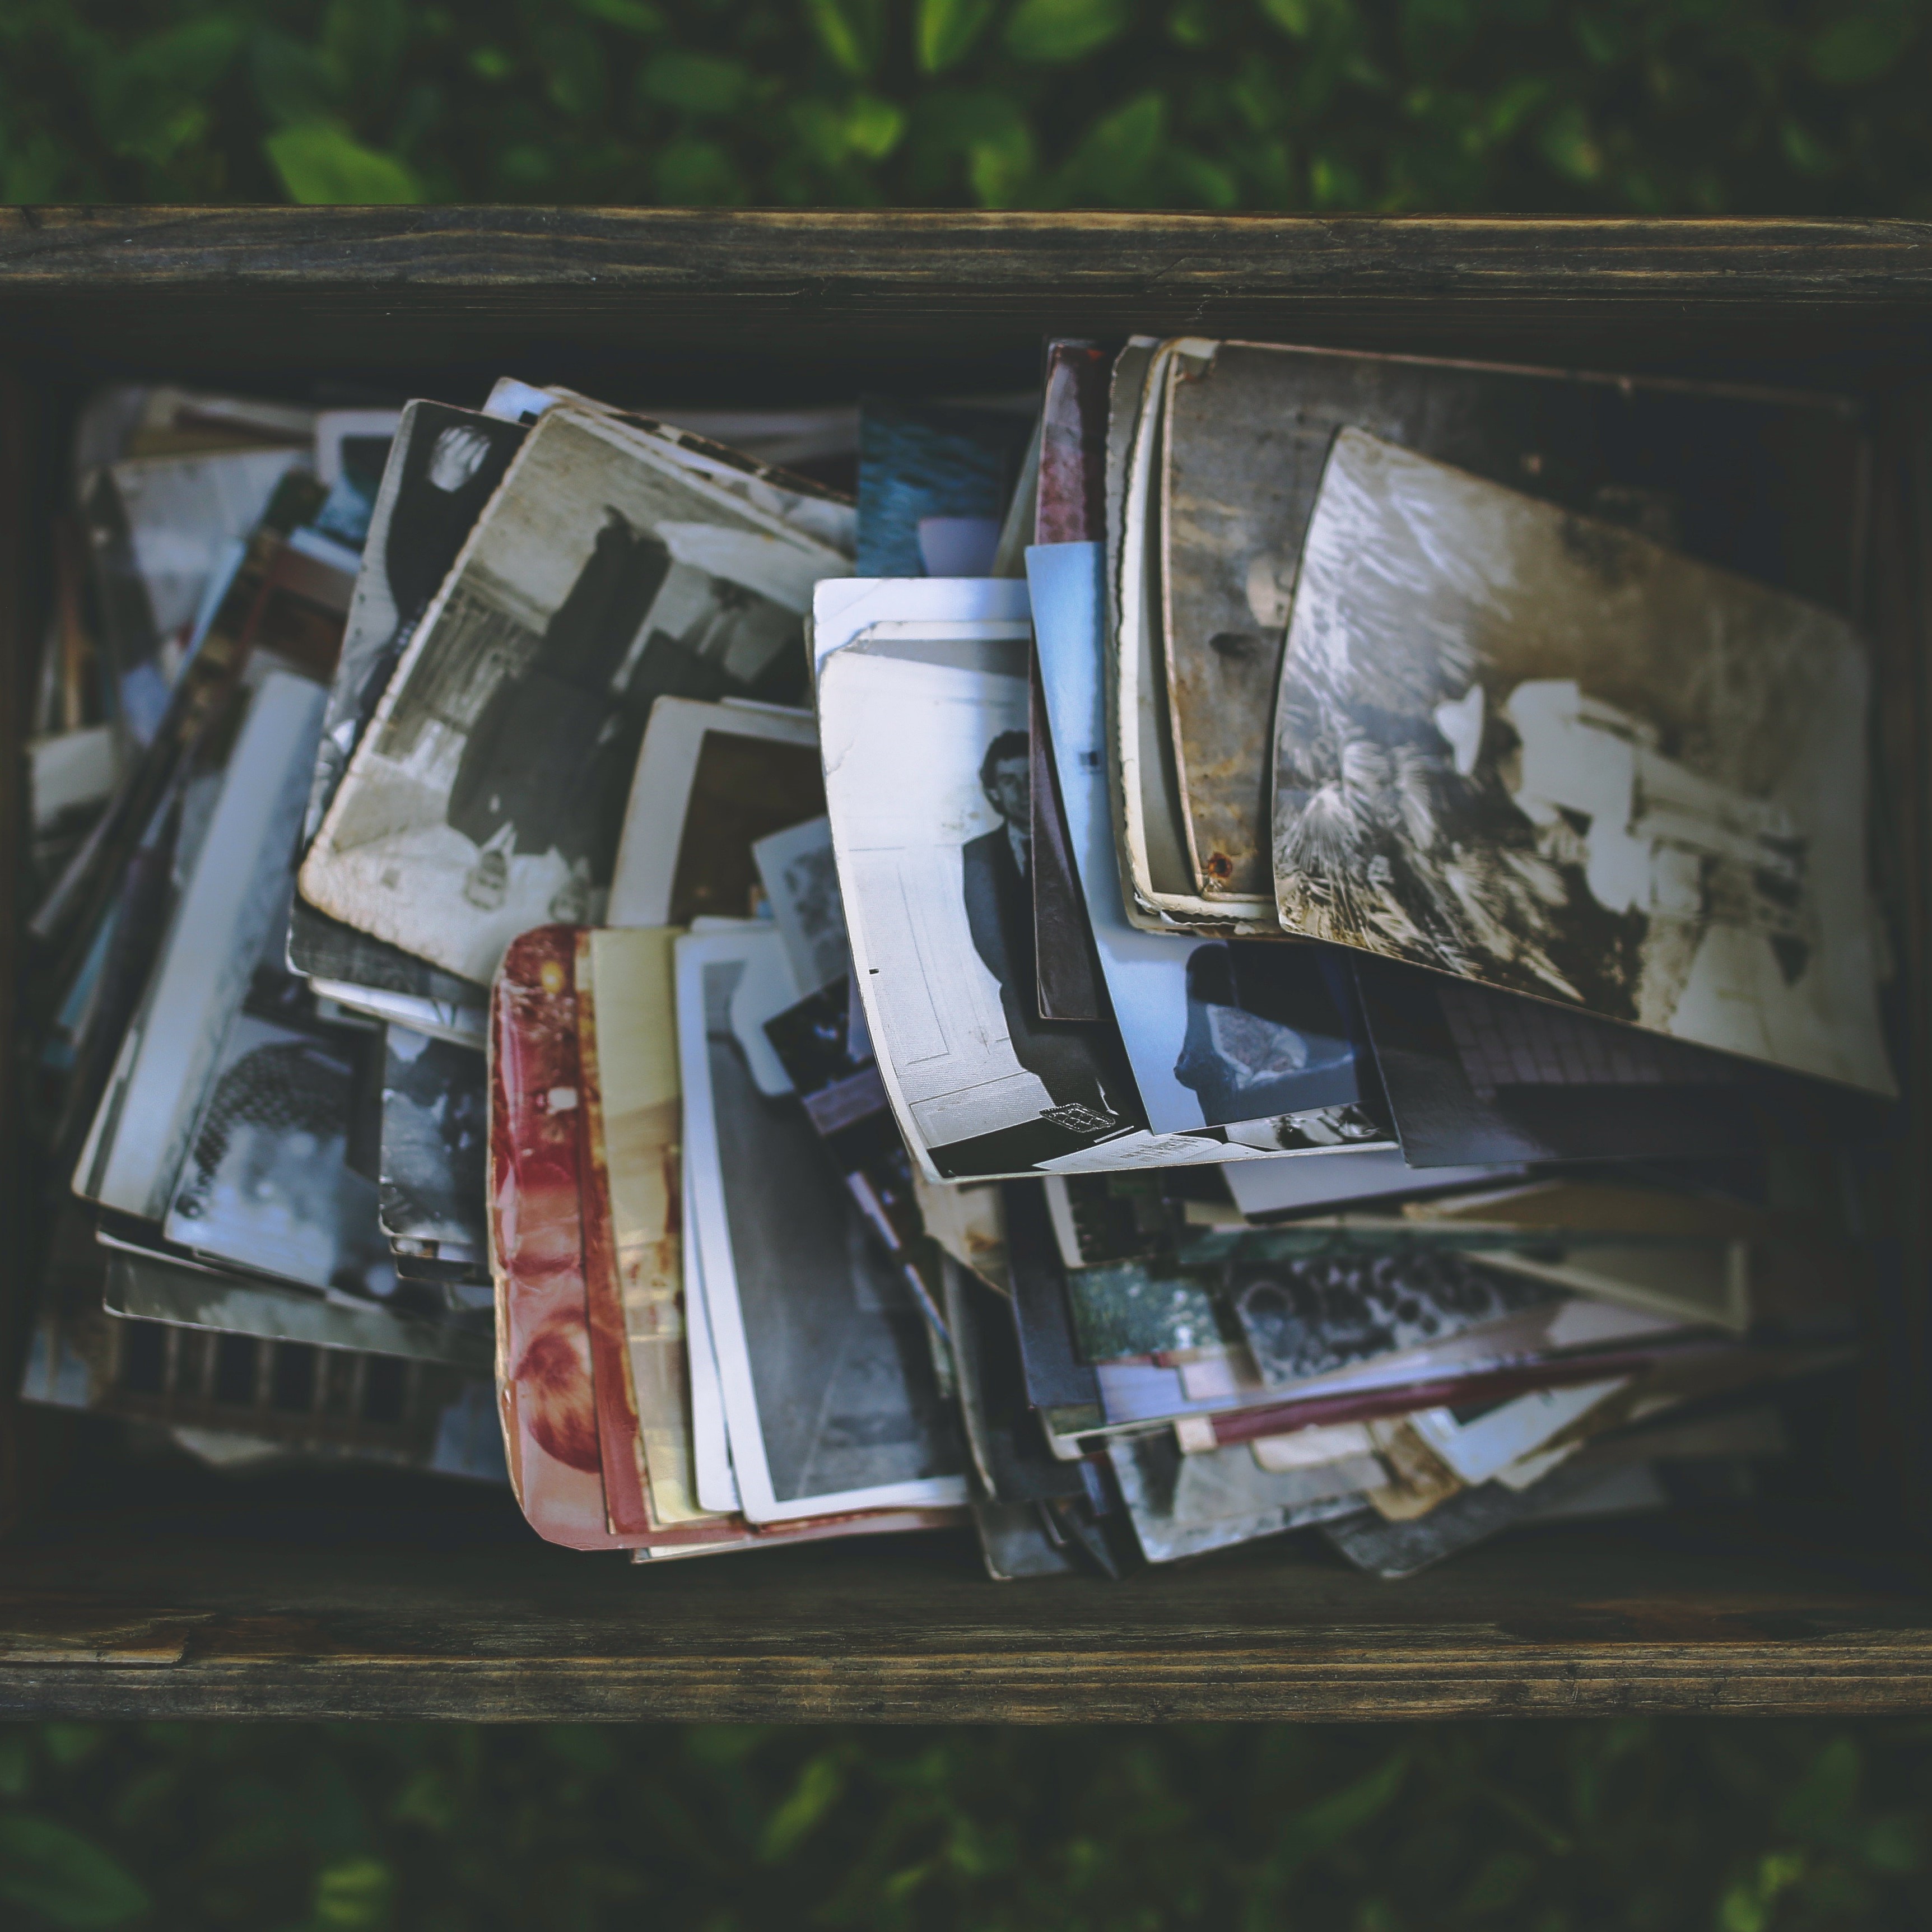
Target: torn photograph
[
  {"x": 488, "y": 795},
  {"x": 1244, "y": 431},
  {"x": 1548, "y": 755}
]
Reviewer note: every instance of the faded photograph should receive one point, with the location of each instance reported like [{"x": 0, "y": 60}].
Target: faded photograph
[
  {"x": 442, "y": 469},
  {"x": 435, "y": 1141},
  {"x": 800, "y": 878},
  {"x": 1548, "y": 755},
  {"x": 996, "y": 879},
  {"x": 846, "y": 1397},
  {"x": 267, "y": 1185},
  {"x": 489, "y": 797},
  {"x": 927, "y": 783},
  {"x": 1308, "y": 1318},
  {"x": 1247, "y": 430}
]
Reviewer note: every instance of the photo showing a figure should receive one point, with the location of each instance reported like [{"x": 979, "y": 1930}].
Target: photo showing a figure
[
  {"x": 846, "y": 1394},
  {"x": 435, "y": 1140},
  {"x": 547, "y": 763},
  {"x": 601, "y": 576},
  {"x": 928, "y": 790},
  {"x": 267, "y": 1184},
  {"x": 450, "y": 461},
  {"x": 997, "y": 880},
  {"x": 1548, "y": 755}
]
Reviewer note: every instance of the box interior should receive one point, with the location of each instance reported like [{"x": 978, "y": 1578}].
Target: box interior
[{"x": 316, "y": 1588}]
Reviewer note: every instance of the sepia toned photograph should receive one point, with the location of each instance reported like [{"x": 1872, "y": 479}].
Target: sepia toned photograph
[
  {"x": 1550, "y": 756},
  {"x": 1246, "y": 428},
  {"x": 487, "y": 795}
]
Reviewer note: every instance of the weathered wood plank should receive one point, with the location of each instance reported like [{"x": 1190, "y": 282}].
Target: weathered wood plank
[
  {"x": 868, "y": 296},
  {"x": 824, "y": 254},
  {"x": 1694, "y": 1617}
]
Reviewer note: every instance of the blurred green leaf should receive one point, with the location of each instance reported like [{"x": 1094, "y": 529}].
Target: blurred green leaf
[
  {"x": 1818, "y": 1806},
  {"x": 353, "y": 1896},
  {"x": 1294, "y": 17},
  {"x": 1002, "y": 169},
  {"x": 944, "y": 32},
  {"x": 321, "y": 163},
  {"x": 1502, "y": 1880},
  {"x": 1118, "y": 152},
  {"x": 1569, "y": 146},
  {"x": 632, "y": 16},
  {"x": 1859, "y": 47},
  {"x": 293, "y": 81},
  {"x": 1895, "y": 1843},
  {"x": 1058, "y": 31},
  {"x": 46, "y": 1868},
  {"x": 1327, "y": 1823},
  {"x": 873, "y": 127},
  {"x": 821, "y": 1785},
  {"x": 697, "y": 83},
  {"x": 71, "y": 1745},
  {"x": 852, "y": 31}
]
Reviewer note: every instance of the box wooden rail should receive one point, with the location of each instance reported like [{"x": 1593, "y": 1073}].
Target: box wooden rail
[{"x": 125, "y": 1592}]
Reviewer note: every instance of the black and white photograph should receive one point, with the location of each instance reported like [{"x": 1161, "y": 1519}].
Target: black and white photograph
[
  {"x": 1304, "y": 1319},
  {"x": 442, "y": 467},
  {"x": 436, "y": 1133},
  {"x": 1245, "y": 433},
  {"x": 711, "y": 780},
  {"x": 175, "y": 1291},
  {"x": 1248, "y": 1034},
  {"x": 487, "y": 795},
  {"x": 267, "y": 1185},
  {"x": 829, "y": 1392},
  {"x": 799, "y": 875},
  {"x": 1471, "y": 1075},
  {"x": 1159, "y": 879},
  {"x": 1186, "y": 1505},
  {"x": 235, "y": 901},
  {"x": 1547, "y": 755},
  {"x": 714, "y": 1478},
  {"x": 926, "y": 765}
]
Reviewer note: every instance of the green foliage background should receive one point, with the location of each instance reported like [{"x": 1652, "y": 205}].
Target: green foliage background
[
  {"x": 1698, "y": 106},
  {"x": 1735, "y": 1827}
]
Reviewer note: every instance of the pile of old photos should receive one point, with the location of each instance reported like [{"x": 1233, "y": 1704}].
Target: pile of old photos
[{"x": 1258, "y": 940}]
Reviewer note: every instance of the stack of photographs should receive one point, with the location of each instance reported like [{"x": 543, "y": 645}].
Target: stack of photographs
[{"x": 1264, "y": 941}]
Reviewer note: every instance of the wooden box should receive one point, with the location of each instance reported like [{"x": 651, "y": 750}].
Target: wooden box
[{"x": 128, "y": 1589}]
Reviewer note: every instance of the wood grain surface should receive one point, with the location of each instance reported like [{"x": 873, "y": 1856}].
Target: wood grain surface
[
  {"x": 1686, "y": 1616},
  {"x": 682, "y": 293}
]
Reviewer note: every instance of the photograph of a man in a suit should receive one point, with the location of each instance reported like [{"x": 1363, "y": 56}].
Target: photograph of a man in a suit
[{"x": 997, "y": 886}]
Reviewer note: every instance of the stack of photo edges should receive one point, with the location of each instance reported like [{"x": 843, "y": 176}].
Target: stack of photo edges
[{"x": 1258, "y": 939}]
